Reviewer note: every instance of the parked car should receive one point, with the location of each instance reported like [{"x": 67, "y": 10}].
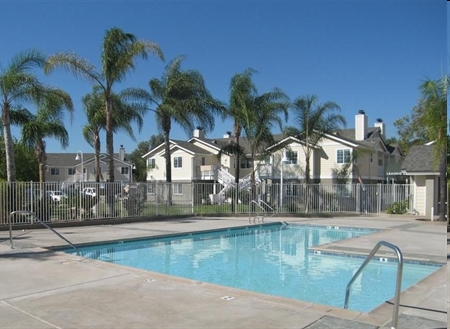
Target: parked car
[
  {"x": 89, "y": 191},
  {"x": 57, "y": 196}
]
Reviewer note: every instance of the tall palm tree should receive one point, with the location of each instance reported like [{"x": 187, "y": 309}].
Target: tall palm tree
[
  {"x": 260, "y": 119},
  {"x": 434, "y": 99},
  {"x": 47, "y": 122},
  {"x": 181, "y": 97},
  {"x": 18, "y": 84},
  {"x": 242, "y": 91},
  {"x": 312, "y": 122},
  {"x": 119, "y": 52},
  {"x": 124, "y": 113}
]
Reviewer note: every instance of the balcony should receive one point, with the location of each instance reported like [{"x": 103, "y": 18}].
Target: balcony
[{"x": 265, "y": 171}]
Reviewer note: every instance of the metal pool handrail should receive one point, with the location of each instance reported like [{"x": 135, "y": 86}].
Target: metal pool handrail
[
  {"x": 398, "y": 284},
  {"x": 40, "y": 221},
  {"x": 250, "y": 211}
]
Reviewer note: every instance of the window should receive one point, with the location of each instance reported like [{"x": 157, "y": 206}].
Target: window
[
  {"x": 292, "y": 157},
  {"x": 203, "y": 161},
  {"x": 71, "y": 171},
  {"x": 151, "y": 188},
  {"x": 151, "y": 163},
  {"x": 245, "y": 163},
  {"x": 54, "y": 171},
  {"x": 343, "y": 156},
  {"x": 288, "y": 189},
  {"x": 177, "y": 188},
  {"x": 380, "y": 161},
  {"x": 124, "y": 170},
  {"x": 177, "y": 162}
]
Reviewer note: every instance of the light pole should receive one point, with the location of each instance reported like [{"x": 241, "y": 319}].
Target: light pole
[
  {"x": 80, "y": 157},
  {"x": 132, "y": 167},
  {"x": 283, "y": 160}
]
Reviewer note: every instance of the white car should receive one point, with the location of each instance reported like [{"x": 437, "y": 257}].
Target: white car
[
  {"x": 56, "y": 196},
  {"x": 89, "y": 191}
]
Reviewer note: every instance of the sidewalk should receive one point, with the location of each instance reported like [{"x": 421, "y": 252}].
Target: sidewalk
[{"x": 46, "y": 289}]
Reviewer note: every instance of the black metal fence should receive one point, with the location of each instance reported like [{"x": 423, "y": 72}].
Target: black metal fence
[{"x": 54, "y": 202}]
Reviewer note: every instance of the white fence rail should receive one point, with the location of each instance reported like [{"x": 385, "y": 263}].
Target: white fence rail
[{"x": 54, "y": 202}]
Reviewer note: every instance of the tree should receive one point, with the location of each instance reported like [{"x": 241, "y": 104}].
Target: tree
[
  {"x": 410, "y": 128},
  {"x": 313, "y": 121},
  {"x": 18, "y": 84},
  {"x": 260, "y": 119},
  {"x": 253, "y": 117},
  {"x": 28, "y": 170},
  {"x": 47, "y": 122},
  {"x": 140, "y": 172},
  {"x": 242, "y": 90},
  {"x": 124, "y": 113},
  {"x": 434, "y": 118},
  {"x": 154, "y": 141},
  {"x": 119, "y": 52},
  {"x": 181, "y": 97}
]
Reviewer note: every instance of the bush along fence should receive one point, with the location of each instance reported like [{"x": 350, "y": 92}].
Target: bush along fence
[{"x": 54, "y": 202}]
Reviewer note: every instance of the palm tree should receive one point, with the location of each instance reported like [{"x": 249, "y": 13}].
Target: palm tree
[
  {"x": 181, "y": 97},
  {"x": 124, "y": 113},
  {"x": 47, "y": 122},
  {"x": 434, "y": 99},
  {"x": 313, "y": 121},
  {"x": 18, "y": 84},
  {"x": 260, "y": 119},
  {"x": 119, "y": 52},
  {"x": 242, "y": 90}
]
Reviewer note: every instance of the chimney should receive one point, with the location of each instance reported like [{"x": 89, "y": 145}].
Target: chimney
[
  {"x": 122, "y": 153},
  {"x": 227, "y": 134},
  {"x": 380, "y": 124},
  {"x": 360, "y": 126},
  {"x": 199, "y": 133}
]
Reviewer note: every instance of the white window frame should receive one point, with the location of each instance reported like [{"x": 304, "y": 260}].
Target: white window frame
[
  {"x": 292, "y": 157},
  {"x": 177, "y": 189},
  {"x": 344, "y": 156},
  {"x": 151, "y": 188},
  {"x": 245, "y": 163},
  {"x": 178, "y": 162},
  {"x": 71, "y": 171},
  {"x": 54, "y": 171},
  {"x": 151, "y": 163},
  {"x": 123, "y": 170}
]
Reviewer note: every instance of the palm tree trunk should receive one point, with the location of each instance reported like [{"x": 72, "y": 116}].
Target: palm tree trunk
[
  {"x": 97, "y": 156},
  {"x": 109, "y": 139},
  {"x": 9, "y": 147},
  {"x": 40, "y": 157},
  {"x": 109, "y": 154},
  {"x": 168, "y": 164}
]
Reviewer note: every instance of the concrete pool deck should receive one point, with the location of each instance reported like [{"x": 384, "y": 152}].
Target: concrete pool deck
[{"x": 41, "y": 288}]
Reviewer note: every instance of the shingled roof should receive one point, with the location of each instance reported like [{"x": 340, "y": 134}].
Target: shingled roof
[{"x": 420, "y": 158}]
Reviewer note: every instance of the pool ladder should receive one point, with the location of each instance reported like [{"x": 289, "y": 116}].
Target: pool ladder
[
  {"x": 398, "y": 285},
  {"x": 263, "y": 208},
  {"x": 40, "y": 221}
]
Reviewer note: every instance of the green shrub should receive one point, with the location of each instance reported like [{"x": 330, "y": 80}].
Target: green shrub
[{"x": 398, "y": 208}]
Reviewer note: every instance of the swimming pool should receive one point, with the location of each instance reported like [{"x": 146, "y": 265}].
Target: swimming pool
[{"x": 270, "y": 259}]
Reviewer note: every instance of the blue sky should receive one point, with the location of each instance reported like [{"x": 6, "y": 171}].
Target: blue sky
[{"x": 369, "y": 55}]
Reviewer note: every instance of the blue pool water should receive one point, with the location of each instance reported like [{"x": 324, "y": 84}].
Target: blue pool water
[{"x": 271, "y": 259}]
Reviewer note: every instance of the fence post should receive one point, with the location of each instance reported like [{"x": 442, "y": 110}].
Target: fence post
[
  {"x": 192, "y": 197},
  {"x": 378, "y": 198},
  {"x": 358, "y": 198}
]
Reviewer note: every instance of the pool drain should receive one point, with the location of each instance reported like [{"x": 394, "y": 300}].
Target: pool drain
[{"x": 227, "y": 298}]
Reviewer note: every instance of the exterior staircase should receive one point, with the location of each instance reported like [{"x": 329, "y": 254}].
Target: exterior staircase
[{"x": 227, "y": 180}]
